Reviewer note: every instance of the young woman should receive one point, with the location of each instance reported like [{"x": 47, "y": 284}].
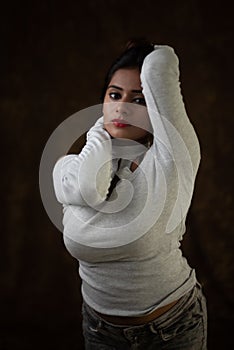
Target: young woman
[{"x": 125, "y": 200}]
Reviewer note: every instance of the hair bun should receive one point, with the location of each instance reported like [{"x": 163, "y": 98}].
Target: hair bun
[{"x": 138, "y": 42}]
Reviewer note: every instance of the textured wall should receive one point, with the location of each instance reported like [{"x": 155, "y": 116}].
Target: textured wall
[{"x": 54, "y": 55}]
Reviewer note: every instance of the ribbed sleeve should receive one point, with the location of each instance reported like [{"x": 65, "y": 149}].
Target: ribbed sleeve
[
  {"x": 161, "y": 88},
  {"x": 84, "y": 179}
]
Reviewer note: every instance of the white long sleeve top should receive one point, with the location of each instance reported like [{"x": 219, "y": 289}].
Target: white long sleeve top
[{"x": 128, "y": 246}]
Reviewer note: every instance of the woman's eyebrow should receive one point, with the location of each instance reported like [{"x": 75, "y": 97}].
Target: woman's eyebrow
[{"x": 119, "y": 88}]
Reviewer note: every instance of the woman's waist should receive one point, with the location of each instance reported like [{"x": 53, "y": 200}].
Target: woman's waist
[
  {"x": 134, "y": 298},
  {"x": 136, "y": 320},
  {"x": 159, "y": 314}
]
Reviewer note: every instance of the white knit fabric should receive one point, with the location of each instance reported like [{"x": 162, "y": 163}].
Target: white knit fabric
[{"x": 128, "y": 247}]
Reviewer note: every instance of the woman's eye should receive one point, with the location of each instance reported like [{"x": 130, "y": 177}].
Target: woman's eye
[
  {"x": 114, "y": 95},
  {"x": 140, "y": 101}
]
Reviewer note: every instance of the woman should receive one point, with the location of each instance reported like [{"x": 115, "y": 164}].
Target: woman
[{"x": 125, "y": 200}]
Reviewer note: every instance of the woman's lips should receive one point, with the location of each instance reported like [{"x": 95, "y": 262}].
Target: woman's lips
[{"x": 120, "y": 123}]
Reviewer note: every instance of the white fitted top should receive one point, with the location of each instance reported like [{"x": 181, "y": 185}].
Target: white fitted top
[{"x": 128, "y": 246}]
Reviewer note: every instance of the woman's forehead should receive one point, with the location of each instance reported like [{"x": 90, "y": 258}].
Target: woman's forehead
[{"x": 127, "y": 79}]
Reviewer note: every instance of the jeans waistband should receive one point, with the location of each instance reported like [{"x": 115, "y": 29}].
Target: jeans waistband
[{"x": 184, "y": 302}]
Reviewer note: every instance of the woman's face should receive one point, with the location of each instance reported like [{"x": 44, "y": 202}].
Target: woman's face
[{"x": 124, "y": 108}]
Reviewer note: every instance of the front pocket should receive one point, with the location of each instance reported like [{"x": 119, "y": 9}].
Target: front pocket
[{"x": 189, "y": 323}]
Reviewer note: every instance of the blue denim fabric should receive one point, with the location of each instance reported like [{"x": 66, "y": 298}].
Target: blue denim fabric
[{"x": 183, "y": 327}]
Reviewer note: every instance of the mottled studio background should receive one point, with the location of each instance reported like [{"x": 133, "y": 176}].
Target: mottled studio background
[{"x": 53, "y": 57}]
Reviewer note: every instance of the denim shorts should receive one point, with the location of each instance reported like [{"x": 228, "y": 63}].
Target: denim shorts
[{"x": 183, "y": 327}]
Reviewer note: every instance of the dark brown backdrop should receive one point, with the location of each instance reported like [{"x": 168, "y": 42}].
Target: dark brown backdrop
[{"x": 53, "y": 58}]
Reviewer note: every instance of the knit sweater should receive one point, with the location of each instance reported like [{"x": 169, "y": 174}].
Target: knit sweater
[{"x": 128, "y": 243}]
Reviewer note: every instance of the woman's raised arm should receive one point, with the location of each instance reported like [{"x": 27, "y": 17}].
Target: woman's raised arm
[
  {"x": 161, "y": 88},
  {"x": 84, "y": 179}
]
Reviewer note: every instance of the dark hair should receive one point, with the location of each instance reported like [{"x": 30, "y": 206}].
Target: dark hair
[{"x": 132, "y": 57}]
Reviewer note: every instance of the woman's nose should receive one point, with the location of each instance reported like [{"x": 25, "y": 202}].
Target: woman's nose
[{"x": 122, "y": 108}]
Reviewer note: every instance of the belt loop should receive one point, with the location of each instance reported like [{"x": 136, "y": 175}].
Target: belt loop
[
  {"x": 199, "y": 286},
  {"x": 152, "y": 328},
  {"x": 99, "y": 325}
]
